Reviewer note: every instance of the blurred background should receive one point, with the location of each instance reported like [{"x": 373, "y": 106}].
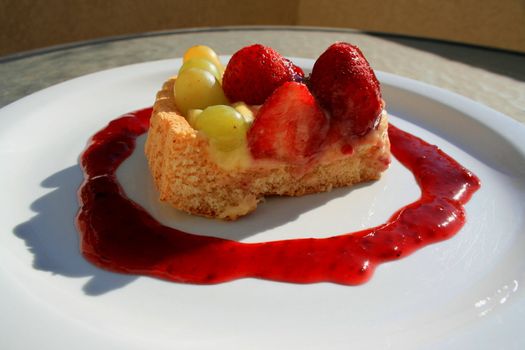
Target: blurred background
[{"x": 33, "y": 24}]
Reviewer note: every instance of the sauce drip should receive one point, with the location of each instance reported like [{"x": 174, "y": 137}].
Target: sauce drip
[{"x": 118, "y": 235}]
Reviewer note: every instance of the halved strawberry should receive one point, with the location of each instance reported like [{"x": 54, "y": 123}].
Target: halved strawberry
[
  {"x": 254, "y": 72},
  {"x": 290, "y": 126},
  {"x": 347, "y": 87}
]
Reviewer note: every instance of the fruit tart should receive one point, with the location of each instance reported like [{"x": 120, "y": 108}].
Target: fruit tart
[{"x": 221, "y": 139}]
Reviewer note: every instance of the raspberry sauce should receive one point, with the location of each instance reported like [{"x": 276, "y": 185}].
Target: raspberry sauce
[{"x": 118, "y": 235}]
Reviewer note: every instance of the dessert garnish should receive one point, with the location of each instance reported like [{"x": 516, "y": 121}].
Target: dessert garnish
[{"x": 216, "y": 147}]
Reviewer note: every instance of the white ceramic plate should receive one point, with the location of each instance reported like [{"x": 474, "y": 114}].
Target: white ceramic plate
[{"x": 466, "y": 292}]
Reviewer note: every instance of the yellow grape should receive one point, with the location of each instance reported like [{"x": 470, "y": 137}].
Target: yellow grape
[
  {"x": 225, "y": 127},
  {"x": 192, "y": 116},
  {"x": 203, "y": 64},
  {"x": 205, "y": 52},
  {"x": 197, "y": 89},
  {"x": 245, "y": 111}
]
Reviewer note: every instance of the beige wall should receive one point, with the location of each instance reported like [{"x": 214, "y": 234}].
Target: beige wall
[
  {"x": 495, "y": 23},
  {"x": 31, "y": 24}
]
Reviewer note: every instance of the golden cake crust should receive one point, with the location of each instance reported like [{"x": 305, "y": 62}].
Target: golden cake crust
[{"x": 188, "y": 178}]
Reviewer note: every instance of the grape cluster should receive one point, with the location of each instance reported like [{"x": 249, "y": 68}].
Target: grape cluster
[{"x": 200, "y": 98}]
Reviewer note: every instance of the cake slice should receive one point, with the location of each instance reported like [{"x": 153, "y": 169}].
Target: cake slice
[{"x": 296, "y": 145}]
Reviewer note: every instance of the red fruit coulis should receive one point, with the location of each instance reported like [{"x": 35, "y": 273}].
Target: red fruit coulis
[{"x": 118, "y": 235}]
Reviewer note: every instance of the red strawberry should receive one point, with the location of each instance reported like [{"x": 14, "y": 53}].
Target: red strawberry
[
  {"x": 290, "y": 126},
  {"x": 347, "y": 87},
  {"x": 254, "y": 72}
]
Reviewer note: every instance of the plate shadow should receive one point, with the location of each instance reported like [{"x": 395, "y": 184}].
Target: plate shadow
[{"x": 52, "y": 238}]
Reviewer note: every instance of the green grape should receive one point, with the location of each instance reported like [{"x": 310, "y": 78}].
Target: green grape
[
  {"x": 203, "y": 64},
  {"x": 192, "y": 116},
  {"x": 245, "y": 111},
  {"x": 205, "y": 52},
  {"x": 225, "y": 127},
  {"x": 197, "y": 89}
]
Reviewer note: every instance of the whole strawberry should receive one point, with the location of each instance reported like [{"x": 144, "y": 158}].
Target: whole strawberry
[
  {"x": 347, "y": 87},
  {"x": 254, "y": 72},
  {"x": 290, "y": 126}
]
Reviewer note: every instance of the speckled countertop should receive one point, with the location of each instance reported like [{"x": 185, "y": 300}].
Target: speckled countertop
[{"x": 494, "y": 78}]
